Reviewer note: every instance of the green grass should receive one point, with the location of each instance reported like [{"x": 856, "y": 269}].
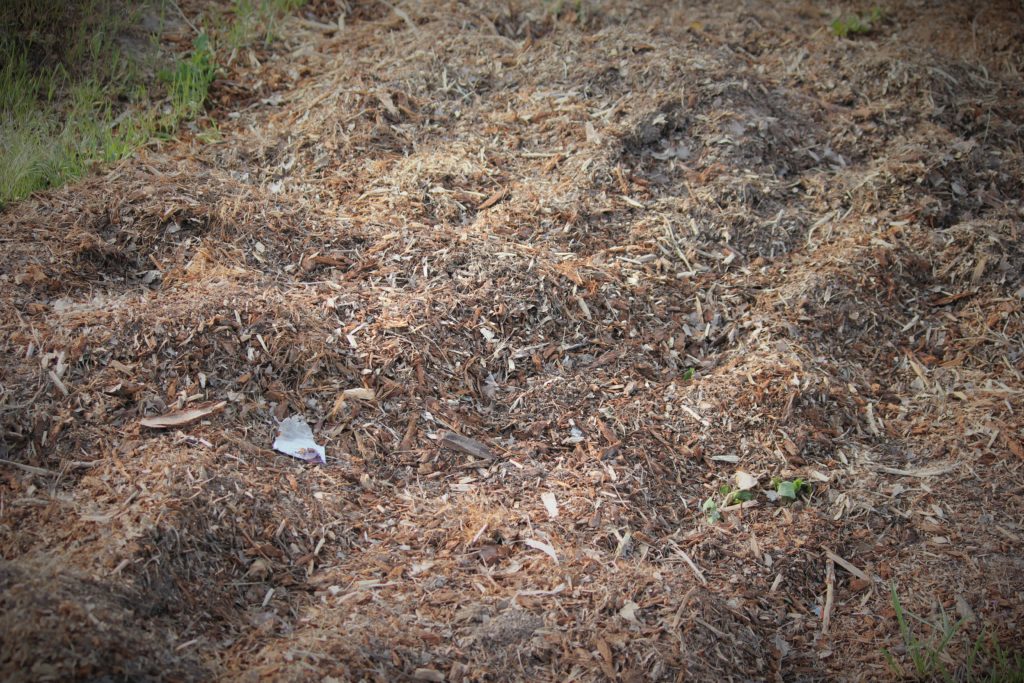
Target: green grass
[
  {"x": 252, "y": 19},
  {"x": 856, "y": 24},
  {"x": 188, "y": 82},
  {"x": 60, "y": 63},
  {"x": 928, "y": 645},
  {"x": 994, "y": 663},
  {"x": 72, "y": 96}
]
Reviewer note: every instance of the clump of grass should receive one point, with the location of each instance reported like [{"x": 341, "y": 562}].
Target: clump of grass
[
  {"x": 573, "y": 11},
  {"x": 926, "y": 656},
  {"x": 929, "y": 657},
  {"x": 989, "y": 662},
  {"x": 188, "y": 82},
  {"x": 856, "y": 24},
  {"x": 251, "y": 19}
]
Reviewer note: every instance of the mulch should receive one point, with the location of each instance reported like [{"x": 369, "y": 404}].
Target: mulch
[{"x": 581, "y": 265}]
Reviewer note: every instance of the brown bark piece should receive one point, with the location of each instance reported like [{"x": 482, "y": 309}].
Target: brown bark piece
[{"x": 464, "y": 444}]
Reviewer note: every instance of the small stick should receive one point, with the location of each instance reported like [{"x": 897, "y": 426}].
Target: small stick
[
  {"x": 682, "y": 605},
  {"x": 740, "y": 506},
  {"x": 693, "y": 566},
  {"x": 401, "y": 14},
  {"x": 183, "y": 16},
  {"x": 830, "y": 584},
  {"x": 847, "y": 566},
  {"x": 29, "y": 468},
  {"x": 710, "y": 627}
]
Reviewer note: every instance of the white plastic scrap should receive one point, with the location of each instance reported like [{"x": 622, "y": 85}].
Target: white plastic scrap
[{"x": 295, "y": 438}]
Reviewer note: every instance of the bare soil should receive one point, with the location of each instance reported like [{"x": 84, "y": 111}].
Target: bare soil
[{"x": 631, "y": 250}]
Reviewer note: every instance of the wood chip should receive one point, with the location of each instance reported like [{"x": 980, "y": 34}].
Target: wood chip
[
  {"x": 464, "y": 444},
  {"x": 1012, "y": 444},
  {"x": 740, "y": 506},
  {"x": 361, "y": 393},
  {"x": 493, "y": 199}
]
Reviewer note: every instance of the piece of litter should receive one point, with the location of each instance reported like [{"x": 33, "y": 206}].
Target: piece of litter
[
  {"x": 628, "y": 611},
  {"x": 295, "y": 438},
  {"x": 575, "y": 436}
]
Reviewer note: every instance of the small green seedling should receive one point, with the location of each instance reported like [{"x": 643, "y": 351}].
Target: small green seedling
[
  {"x": 729, "y": 496},
  {"x": 856, "y": 24},
  {"x": 710, "y": 508},
  {"x": 688, "y": 374},
  {"x": 790, "y": 489}
]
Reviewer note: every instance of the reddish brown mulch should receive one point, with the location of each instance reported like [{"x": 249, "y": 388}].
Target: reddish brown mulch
[{"x": 631, "y": 249}]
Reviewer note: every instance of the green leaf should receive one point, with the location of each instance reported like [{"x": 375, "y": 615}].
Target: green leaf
[
  {"x": 711, "y": 510},
  {"x": 724, "y": 489},
  {"x": 787, "y": 489},
  {"x": 688, "y": 374}
]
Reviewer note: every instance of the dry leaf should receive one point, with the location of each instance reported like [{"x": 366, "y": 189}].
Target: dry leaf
[
  {"x": 744, "y": 481},
  {"x": 179, "y": 418},
  {"x": 607, "y": 662},
  {"x": 420, "y": 567},
  {"x": 551, "y": 504},
  {"x": 389, "y": 105},
  {"x": 543, "y": 547},
  {"x": 361, "y": 393}
]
